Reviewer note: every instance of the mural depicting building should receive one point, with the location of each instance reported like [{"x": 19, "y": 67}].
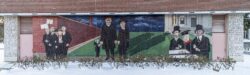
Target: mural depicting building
[{"x": 222, "y": 22}]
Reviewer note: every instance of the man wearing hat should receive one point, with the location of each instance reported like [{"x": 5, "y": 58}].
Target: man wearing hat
[
  {"x": 176, "y": 42},
  {"x": 123, "y": 39},
  {"x": 200, "y": 43},
  {"x": 108, "y": 38}
]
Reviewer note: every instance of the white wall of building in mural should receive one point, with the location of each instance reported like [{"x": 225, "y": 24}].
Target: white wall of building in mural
[{"x": 188, "y": 21}]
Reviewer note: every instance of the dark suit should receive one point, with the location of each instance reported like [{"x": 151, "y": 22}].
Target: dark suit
[
  {"x": 47, "y": 45},
  {"x": 61, "y": 48},
  {"x": 175, "y": 43},
  {"x": 203, "y": 45},
  {"x": 53, "y": 41},
  {"x": 67, "y": 39},
  {"x": 108, "y": 36},
  {"x": 123, "y": 37}
]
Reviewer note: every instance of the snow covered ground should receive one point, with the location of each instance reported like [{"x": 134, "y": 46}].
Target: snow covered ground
[
  {"x": 1, "y": 52},
  {"x": 241, "y": 68}
]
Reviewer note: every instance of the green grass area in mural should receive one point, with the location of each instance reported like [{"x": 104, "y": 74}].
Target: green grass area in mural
[{"x": 141, "y": 43}]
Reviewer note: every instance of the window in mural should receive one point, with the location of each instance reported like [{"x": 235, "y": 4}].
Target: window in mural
[
  {"x": 182, "y": 20},
  {"x": 111, "y": 37},
  {"x": 174, "y": 20},
  {"x": 193, "y": 21}
]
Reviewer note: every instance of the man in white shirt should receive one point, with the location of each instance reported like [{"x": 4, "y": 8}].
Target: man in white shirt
[{"x": 201, "y": 44}]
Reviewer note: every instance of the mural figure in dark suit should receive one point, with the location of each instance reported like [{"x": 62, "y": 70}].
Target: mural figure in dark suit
[
  {"x": 59, "y": 44},
  {"x": 201, "y": 44},
  {"x": 108, "y": 38},
  {"x": 176, "y": 43},
  {"x": 67, "y": 39},
  {"x": 47, "y": 44},
  {"x": 53, "y": 41},
  {"x": 123, "y": 39}
]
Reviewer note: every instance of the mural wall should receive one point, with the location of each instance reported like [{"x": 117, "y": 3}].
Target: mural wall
[{"x": 125, "y": 36}]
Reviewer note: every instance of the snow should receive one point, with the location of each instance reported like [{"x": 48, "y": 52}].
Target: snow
[
  {"x": 1, "y": 52},
  {"x": 1, "y": 56},
  {"x": 246, "y": 40},
  {"x": 124, "y": 71},
  {"x": 241, "y": 68}
]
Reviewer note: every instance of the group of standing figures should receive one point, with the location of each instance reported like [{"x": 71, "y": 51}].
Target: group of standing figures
[
  {"x": 109, "y": 38},
  {"x": 200, "y": 45},
  {"x": 56, "y": 42}
]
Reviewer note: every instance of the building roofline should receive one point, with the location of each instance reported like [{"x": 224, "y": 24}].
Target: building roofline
[{"x": 122, "y": 13}]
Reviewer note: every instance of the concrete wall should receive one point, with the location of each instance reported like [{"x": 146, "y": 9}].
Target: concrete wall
[
  {"x": 235, "y": 33},
  {"x": 11, "y": 37}
]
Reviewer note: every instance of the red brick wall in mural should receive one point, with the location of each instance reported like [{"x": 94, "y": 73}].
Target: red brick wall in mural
[{"x": 79, "y": 32}]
